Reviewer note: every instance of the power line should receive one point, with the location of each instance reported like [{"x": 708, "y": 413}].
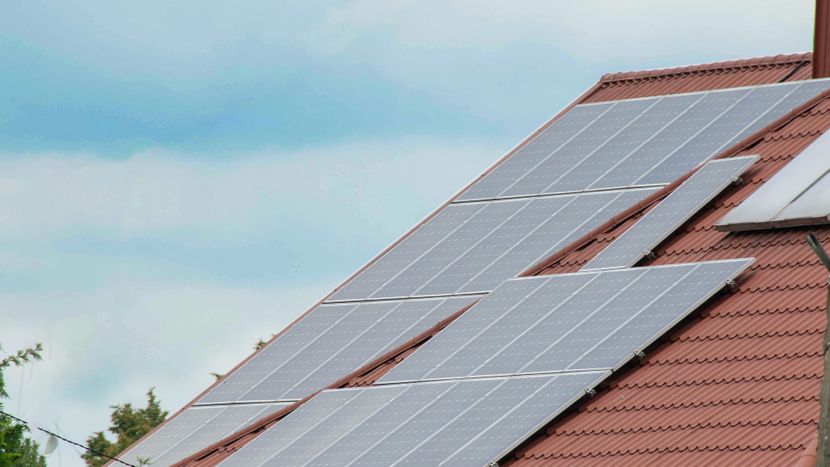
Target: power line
[{"x": 82, "y": 446}]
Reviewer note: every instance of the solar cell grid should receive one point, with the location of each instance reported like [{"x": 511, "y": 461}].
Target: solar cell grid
[
  {"x": 355, "y": 334},
  {"x": 446, "y": 423},
  {"x": 557, "y": 323},
  {"x": 421, "y": 241},
  {"x": 715, "y": 137},
  {"x": 612, "y": 122},
  {"x": 294, "y": 340},
  {"x": 651, "y": 122},
  {"x": 489, "y": 219},
  {"x": 803, "y": 92},
  {"x": 639, "y": 142},
  {"x": 497, "y": 242},
  {"x": 194, "y": 429},
  {"x": 535, "y": 151},
  {"x": 675, "y": 135},
  {"x": 584, "y": 214},
  {"x": 677, "y": 208}
]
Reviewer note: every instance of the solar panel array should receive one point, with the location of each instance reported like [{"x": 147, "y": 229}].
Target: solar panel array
[
  {"x": 470, "y": 248},
  {"x": 195, "y": 428},
  {"x": 458, "y": 423},
  {"x": 640, "y": 141},
  {"x": 566, "y": 322},
  {"x": 329, "y": 343},
  {"x": 507, "y": 366},
  {"x": 678, "y": 207},
  {"x": 592, "y": 163}
]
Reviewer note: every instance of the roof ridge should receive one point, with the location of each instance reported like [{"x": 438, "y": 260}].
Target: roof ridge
[{"x": 740, "y": 63}]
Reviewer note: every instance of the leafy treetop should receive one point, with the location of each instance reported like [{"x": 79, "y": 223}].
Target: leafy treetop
[{"x": 128, "y": 425}]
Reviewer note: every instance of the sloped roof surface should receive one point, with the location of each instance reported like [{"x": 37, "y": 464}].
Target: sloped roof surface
[{"x": 736, "y": 383}]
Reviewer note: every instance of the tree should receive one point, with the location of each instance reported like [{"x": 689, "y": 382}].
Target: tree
[
  {"x": 16, "y": 449},
  {"x": 128, "y": 425},
  {"x": 260, "y": 343}
]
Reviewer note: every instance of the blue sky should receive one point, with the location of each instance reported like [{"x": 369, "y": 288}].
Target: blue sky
[{"x": 177, "y": 181}]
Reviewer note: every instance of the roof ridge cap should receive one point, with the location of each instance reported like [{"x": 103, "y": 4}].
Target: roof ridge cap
[{"x": 739, "y": 63}]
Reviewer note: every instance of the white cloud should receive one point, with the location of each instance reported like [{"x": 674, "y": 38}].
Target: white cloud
[
  {"x": 190, "y": 42},
  {"x": 113, "y": 327},
  {"x": 594, "y": 30},
  {"x": 159, "y": 193}
]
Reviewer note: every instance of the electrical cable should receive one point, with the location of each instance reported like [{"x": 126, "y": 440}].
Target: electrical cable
[{"x": 84, "y": 447}]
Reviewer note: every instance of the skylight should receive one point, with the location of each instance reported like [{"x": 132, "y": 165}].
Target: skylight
[{"x": 799, "y": 194}]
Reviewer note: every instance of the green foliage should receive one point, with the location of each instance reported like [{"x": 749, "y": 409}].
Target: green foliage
[
  {"x": 262, "y": 342},
  {"x": 16, "y": 449},
  {"x": 128, "y": 424}
]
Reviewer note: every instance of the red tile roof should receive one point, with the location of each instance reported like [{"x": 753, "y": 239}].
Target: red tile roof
[
  {"x": 732, "y": 74},
  {"x": 737, "y": 382}
]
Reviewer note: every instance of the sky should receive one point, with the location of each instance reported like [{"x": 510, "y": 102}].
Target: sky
[{"x": 181, "y": 179}]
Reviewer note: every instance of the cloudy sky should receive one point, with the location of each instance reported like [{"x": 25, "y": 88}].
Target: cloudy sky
[{"x": 180, "y": 179}]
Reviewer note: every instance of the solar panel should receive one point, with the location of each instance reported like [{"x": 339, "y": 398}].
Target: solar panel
[
  {"x": 623, "y": 115},
  {"x": 677, "y": 208},
  {"x": 562, "y": 322},
  {"x": 651, "y": 122},
  {"x": 535, "y": 151},
  {"x": 718, "y": 134},
  {"x": 670, "y": 139},
  {"x": 487, "y": 245},
  {"x": 329, "y": 343},
  {"x": 193, "y": 429},
  {"x": 799, "y": 194},
  {"x": 638, "y": 142},
  {"x": 458, "y": 423}
]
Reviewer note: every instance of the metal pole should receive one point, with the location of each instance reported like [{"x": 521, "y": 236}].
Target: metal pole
[{"x": 823, "y": 454}]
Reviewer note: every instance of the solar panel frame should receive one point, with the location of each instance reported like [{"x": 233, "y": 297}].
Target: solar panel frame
[
  {"x": 414, "y": 246},
  {"x": 615, "y": 120},
  {"x": 717, "y": 136},
  {"x": 199, "y": 430},
  {"x": 551, "y": 240},
  {"x": 676, "y": 159},
  {"x": 671, "y": 213},
  {"x": 464, "y": 349},
  {"x": 416, "y": 424},
  {"x": 531, "y": 155},
  {"x": 669, "y": 321},
  {"x": 804, "y": 92},
  {"x": 674, "y": 136},
  {"x": 454, "y": 265},
  {"x": 290, "y": 377},
  {"x": 648, "y": 125}
]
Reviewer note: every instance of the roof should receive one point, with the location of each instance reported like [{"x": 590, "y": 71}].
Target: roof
[{"x": 738, "y": 381}]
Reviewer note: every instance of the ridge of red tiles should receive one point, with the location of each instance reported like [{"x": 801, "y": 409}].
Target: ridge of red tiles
[
  {"x": 709, "y": 67},
  {"x": 708, "y": 76}
]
